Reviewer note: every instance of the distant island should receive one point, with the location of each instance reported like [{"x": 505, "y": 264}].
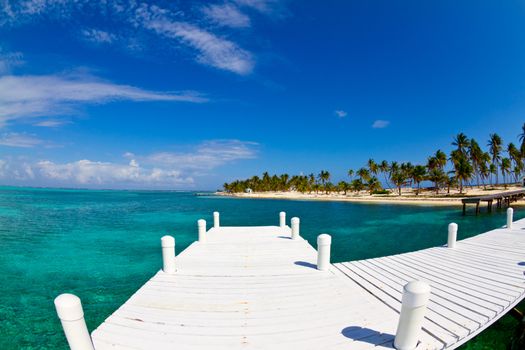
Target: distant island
[{"x": 467, "y": 171}]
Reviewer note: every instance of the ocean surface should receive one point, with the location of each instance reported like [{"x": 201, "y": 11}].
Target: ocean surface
[{"x": 103, "y": 245}]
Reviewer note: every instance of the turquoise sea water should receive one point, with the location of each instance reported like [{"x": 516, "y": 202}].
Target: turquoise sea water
[{"x": 103, "y": 245}]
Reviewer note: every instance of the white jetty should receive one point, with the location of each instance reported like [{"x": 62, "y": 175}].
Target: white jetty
[{"x": 267, "y": 288}]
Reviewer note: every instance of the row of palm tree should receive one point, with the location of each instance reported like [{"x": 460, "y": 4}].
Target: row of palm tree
[{"x": 466, "y": 165}]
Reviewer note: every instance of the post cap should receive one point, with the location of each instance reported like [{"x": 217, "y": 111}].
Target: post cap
[
  {"x": 167, "y": 241},
  {"x": 324, "y": 239},
  {"x": 510, "y": 210},
  {"x": 69, "y": 307},
  {"x": 282, "y": 213},
  {"x": 215, "y": 213},
  {"x": 416, "y": 294},
  {"x": 453, "y": 226},
  {"x": 201, "y": 222},
  {"x": 295, "y": 220}
]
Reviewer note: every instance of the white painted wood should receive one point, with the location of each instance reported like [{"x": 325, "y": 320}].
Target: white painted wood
[
  {"x": 452, "y": 235},
  {"x": 71, "y": 315},
  {"x": 255, "y": 288},
  {"x": 413, "y": 309},
  {"x": 201, "y": 227},
  {"x": 216, "y": 219},
  {"x": 168, "y": 254},
  {"x": 324, "y": 242},
  {"x": 282, "y": 219}
]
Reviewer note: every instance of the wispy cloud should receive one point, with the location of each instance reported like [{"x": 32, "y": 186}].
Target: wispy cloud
[
  {"x": 19, "y": 140},
  {"x": 340, "y": 113},
  {"x": 98, "y": 36},
  {"x": 163, "y": 169},
  {"x": 52, "y": 123},
  {"x": 182, "y": 27},
  {"x": 212, "y": 49},
  {"x": 208, "y": 155},
  {"x": 9, "y": 60},
  {"x": 380, "y": 124},
  {"x": 43, "y": 96},
  {"x": 227, "y": 15},
  {"x": 259, "y": 5}
]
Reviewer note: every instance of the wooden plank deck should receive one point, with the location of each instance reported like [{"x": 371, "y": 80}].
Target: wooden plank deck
[
  {"x": 500, "y": 198},
  {"x": 254, "y": 288}
]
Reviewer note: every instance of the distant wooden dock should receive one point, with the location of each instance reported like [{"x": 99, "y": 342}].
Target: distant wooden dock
[
  {"x": 503, "y": 198},
  {"x": 267, "y": 288}
]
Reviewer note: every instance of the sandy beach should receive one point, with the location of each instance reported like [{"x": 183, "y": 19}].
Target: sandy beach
[{"x": 408, "y": 196}]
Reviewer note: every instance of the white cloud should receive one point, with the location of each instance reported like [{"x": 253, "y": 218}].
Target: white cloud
[
  {"x": 48, "y": 95},
  {"x": 172, "y": 22},
  {"x": 227, "y": 15},
  {"x": 86, "y": 172},
  {"x": 98, "y": 36},
  {"x": 340, "y": 113},
  {"x": 212, "y": 50},
  {"x": 52, "y": 123},
  {"x": 259, "y": 5},
  {"x": 160, "y": 170},
  {"x": 207, "y": 155},
  {"x": 380, "y": 124},
  {"x": 19, "y": 140},
  {"x": 8, "y": 60}
]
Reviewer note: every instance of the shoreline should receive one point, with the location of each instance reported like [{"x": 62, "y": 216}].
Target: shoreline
[{"x": 407, "y": 198}]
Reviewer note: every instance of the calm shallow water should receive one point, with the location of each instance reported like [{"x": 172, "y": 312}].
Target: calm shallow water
[{"x": 103, "y": 245}]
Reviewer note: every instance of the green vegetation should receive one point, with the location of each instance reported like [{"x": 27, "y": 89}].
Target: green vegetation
[{"x": 467, "y": 165}]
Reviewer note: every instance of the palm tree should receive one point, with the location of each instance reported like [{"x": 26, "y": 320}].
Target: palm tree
[
  {"x": 495, "y": 150},
  {"x": 384, "y": 168},
  {"x": 373, "y": 185},
  {"x": 372, "y": 166},
  {"x": 522, "y": 140},
  {"x": 438, "y": 177},
  {"x": 461, "y": 141},
  {"x": 515, "y": 156},
  {"x": 462, "y": 170},
  {"x": 324, "y": 177},
  {"x": 350, "y": 174},
  {"x": 505, "y": 169},
  {"x": 476, "y": 157},
  {"x": 418, "y": 174},
  {"x": 493, "y": 169},
  {"x": 364, "y": 174},
  {"x": 343, "y": 186},
  {"x": 441, "y": 158}
]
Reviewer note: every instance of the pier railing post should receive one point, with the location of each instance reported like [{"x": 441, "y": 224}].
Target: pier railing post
[
  {"x": 413, "y": 308},
  {"x": 510, "y": 214},
  {"x": 452, "y": 235},
  {"x": 295, "y": 228},
  {"x": 69, "y": 310},
  {"x": 201, "y": 224},
  {"x": 168, "y": 254},
  {"x": 324, "y": 242},
  {"x": 282, "y": 219},
  {"x": 216, "y": 220}
]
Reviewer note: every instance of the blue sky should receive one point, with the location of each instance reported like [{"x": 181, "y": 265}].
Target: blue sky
[{"x": 187, "y": 95}]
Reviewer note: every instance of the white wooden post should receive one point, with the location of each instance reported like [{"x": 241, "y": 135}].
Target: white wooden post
[
  {"x": 510, "y": 213},
  {"x": 452, "y": 235},
  {"x": 413, "y": 308},
  {"x": 282, "y": 219},
  {"x": 295, "y": 228},
  {"x": 201, "y": 224},
  {"x": 323, "y": 251},
  {"x": 69, "y": 310},
  {"x": 216, "y": 222},
  {"x": 168, "y": 254}
]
